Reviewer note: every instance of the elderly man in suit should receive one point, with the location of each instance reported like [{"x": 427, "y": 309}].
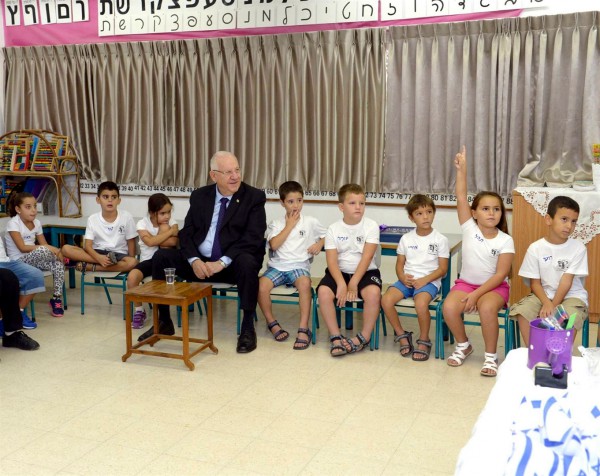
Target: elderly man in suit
[{"x": 222, "y": 240}]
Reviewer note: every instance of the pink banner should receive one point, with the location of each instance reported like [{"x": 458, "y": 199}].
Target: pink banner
[{"x": 87, "y": 31}]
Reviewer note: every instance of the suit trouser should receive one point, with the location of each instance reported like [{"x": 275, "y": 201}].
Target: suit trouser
[
  {"x": 243, "y": 272},
  {"x": 9, "y": 304}
]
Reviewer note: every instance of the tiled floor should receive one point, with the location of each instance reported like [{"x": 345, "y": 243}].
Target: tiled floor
[{"x": 74, "y": 408}]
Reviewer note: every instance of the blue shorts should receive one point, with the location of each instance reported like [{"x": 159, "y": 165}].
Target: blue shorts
[
  {"x": 31, "y": 280},
  {"x": 411, "y": 292},
  {"x": 119, "y": 256},
  {"x": 288, "y": 278}
]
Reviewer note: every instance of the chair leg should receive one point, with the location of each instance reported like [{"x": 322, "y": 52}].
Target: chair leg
[
  {"x": 106, "y": 291},
  {"x": 585, "y": 335}
]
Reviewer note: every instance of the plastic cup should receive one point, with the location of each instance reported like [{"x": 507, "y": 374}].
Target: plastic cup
[{"x": 170, "y": 275}]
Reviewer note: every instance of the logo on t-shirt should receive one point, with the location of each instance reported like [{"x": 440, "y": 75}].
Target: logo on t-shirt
[
  {"x": 360, "y": 240},
  {"x": 433, "y": 248},
  {"x": 342, "y": 238},
  {"x": 478, "y": 238},
  {"x": 495, "y": 252},
  {"x": 302, "y": 233},
  {"x": 562, "y": 264},
  {"x": 121, "y": 229}
]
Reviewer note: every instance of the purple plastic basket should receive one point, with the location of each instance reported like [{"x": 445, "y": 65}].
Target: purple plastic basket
[{"x": 538, "y": 351}]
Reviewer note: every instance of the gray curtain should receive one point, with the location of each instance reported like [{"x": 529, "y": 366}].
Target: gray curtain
[
  {"x": 522, "y": 94},
  {"x": 308, "y": 107}
]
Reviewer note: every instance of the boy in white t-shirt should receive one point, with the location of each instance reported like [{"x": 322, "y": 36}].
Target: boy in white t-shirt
[
  {"x": 554, "y": 267},
  {"x": 422, "y": 262},
  {"x": 109, "y": 236},
  {"x": 350, "y": 248},
  {"x": 293, "y": 241}
]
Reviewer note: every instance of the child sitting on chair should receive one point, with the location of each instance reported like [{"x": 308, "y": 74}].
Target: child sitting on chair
[
  {"x": 421, "y": 264},
  {"x": 554, "y": 267},
  {"x": 158, "y": 230},
  {"x": 293, "y": 241},
  {"x": 350, "y": 248},
  {"x": 109, "y": 236}
]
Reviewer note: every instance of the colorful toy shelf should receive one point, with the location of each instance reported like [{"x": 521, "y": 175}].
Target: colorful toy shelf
[{"x": 39, "y": 158}]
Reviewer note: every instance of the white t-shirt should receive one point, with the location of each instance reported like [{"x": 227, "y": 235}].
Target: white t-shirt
[
  {"x": 29, "y": 236},
  {"x": 292, "y": 253},
  {"x": 423, "y": 252},
  {"x": 3, "y": 257},
  {"x": 480, "y": 255},
  {"x": 111, "y": 236},
  {"x": 349, "y": 240},
  {"x": 549, "y": 262},
  {"x": 147, "y": 252}
]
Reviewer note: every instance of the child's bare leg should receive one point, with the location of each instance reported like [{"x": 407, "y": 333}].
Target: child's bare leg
[
  {"x": 326, "y": 298},
  {"x": 452, "y": 310},
  {"x": 524, "y": 328},
  {"x": 422, "y": 301},
  {"x": 124, "y": 265},
  {"x": 488, "y": 305},
  {"x": 303, "y": 285},
  {"x": 134, "y": 279},
  {"x": 77, "y": 254},
  {"x": 371, "y": 296},
  {"x": 327, "y": 306},
  {"x": 388, "y": 304},
  {"x": 24, "y": 300},
  {"x": 265, "y": 285}
]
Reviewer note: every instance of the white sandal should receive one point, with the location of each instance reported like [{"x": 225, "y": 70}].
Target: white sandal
[
  {"x": 490, "y": 363},
  {"x": 458, "y": 356}
]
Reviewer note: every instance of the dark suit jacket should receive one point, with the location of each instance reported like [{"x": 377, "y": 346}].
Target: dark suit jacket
[{"x": 244, "y": 225}]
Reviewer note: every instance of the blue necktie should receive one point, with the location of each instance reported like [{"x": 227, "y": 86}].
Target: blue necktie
[{"x": 216, "y": 248}]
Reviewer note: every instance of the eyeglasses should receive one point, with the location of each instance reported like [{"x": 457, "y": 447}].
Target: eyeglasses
[{"x": 229, "y": 173}]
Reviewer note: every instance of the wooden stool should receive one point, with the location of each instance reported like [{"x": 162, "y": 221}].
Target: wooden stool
[{"x": 177, "y": 294}]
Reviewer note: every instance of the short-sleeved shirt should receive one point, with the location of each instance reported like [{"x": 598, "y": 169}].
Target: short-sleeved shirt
[
  {"x": 548, "y": 262},
  {"x": 349, "y": 241},
  {"x": 147, "y": 252},
  {"x": 293, "y": 254},
  {"x": 422, "y": 253},
  {"x": 480, "y": 255},
  {"x": 111, "y": 236},
  {"x": 29, "y": 236}
]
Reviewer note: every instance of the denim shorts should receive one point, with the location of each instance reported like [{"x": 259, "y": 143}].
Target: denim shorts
[
  {"x": 288, "y": 278},
  {"x": 411, "y": 292},
  {"x": 31, "y": 280}
]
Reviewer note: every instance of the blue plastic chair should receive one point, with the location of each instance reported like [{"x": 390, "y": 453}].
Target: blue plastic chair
[{"x": 99, "y": 279}]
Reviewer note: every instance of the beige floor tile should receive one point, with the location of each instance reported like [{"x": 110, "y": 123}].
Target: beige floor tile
[
  {"x": 239, "y": 421},
  {"x": 359, "y": 442},
  {"x": 262, "y": 457},
  {"x": 152, "y": 437},
  {"x": 213, "y": 447},
  {"x": 53, "y": 450},
  {"x": 18, "y": 468},
  {"x": 110, "y": 459},
  {"x": 171, "y": 465},
  {"x": 288, "y": 431},
  {"x": 334, "y": 463},
  {"x": 327, "y": 410}
]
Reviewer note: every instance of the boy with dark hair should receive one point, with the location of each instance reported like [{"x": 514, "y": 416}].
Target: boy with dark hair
[
  {"x": 350, "y": 247},
  {"x": 421, "y": 264},
  {"x": 293, "y": 241},
  {"x": 554, "y": 267},
  {"x": 109, "y": 236}
]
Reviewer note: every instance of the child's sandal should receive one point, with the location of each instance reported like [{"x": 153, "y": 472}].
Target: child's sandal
[
  {"x": 490, "y": 365},
  {"x": 337, "y": 350},
  {"x": 362, "y": 343},
  {"x": 409, "y": 346},
  {"x": 301, "y": 344}
]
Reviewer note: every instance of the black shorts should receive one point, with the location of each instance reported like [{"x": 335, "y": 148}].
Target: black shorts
[
  {"x": 370, "y": 277},
  {"x": 145, "y": 267}
]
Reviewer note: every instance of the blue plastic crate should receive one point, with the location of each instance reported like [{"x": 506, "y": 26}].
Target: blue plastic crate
[{"x": 392, "y": 234}]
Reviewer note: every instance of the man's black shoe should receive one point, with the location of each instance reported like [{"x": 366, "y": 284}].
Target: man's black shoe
[
  {"x": 246, "y": 342},
  {"x": 20, "y": 340},
  {"x": 164, "y": 327}
]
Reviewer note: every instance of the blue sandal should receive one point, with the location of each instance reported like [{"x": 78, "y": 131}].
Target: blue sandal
[
  {"x": 281, "y": 331},
  {"x": 362, "y": 343}
]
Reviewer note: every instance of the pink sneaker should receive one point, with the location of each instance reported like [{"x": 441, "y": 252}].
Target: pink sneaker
[{"x": 139, "y": 318}]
